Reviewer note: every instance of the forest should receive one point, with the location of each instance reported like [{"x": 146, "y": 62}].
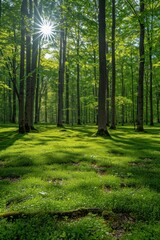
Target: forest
[{"x": 79, "y": 119}]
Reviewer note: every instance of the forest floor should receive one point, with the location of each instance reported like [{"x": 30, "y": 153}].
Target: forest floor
[{"x": 70, "y": 184}]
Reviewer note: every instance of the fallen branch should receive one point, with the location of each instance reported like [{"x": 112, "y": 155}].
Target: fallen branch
[{"x": 58, "y": 215}]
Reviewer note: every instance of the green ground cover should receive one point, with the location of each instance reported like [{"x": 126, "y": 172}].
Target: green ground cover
[{"x": 70, "y": 184}]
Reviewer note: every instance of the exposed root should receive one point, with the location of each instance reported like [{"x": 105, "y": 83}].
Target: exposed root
[{"x": 59, "y": 215}]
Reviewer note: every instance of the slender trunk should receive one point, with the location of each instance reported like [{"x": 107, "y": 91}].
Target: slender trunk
[
  {"x": 34, "y": 61},
  {"x": 151, "y": 83},
  {"x": 28, "y": 70},
  {"x": 95, "y": 91},
  {"x": 78, "y": 82},
  {"x": 141, "y": 70},
  {"x": 22, "y": 57},
  {"x": 123, "y": 94},
  {"x": 45, "y": 103},
  {"x": 113, "y": 106},
  {"x": 132, "y": 83},
  {"x": 61, "y": 77},
  {"x": 147, "y": 100},
  {"x": 37, "y": 89},
  {"x": 67, "y": 95},
  {"x": 14, "y": 90},
  {"x": 10, "y": 101},
  {"x": 107, "y": 88}
]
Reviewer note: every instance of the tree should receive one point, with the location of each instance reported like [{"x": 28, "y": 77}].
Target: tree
[
  {"x": 22, "y": 64},
  {"x": 113, "y": 107},
  {"x": 141, "y": 69},
  {"x": 102, "y": 127}
]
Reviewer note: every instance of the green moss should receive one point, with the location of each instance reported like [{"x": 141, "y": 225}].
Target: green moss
[{"x": 54, "y": 170}]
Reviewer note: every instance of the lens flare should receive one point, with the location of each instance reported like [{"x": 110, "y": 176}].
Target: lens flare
[{"x": 45, "y": 29}]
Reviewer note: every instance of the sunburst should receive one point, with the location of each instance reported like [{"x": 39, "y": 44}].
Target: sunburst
[{"x": 45, "y": 29}]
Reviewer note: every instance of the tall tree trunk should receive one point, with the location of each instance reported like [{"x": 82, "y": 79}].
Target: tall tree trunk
[
  {"x": 113, "y": 105},
  {"x": 67, "y": 95},
  {"x": 107, "y": 88},
  {"x": 22, "y": 57},
  {"x": 61, "y": 77},
  {"x": 45, "y": 103},
  {"x": 95, "y": 90},
  {"x": 123, "y": 94},
  {"x": 146, "y": 99},
  {"x": 28, "y": 69},
  {"x": 133, "y": 98},
  {"x": 141, "y": 70},
  {"x": 102, "y": 127},
  {"x": 14, "y": 81},
  {"x": 10, "y": 101},
  {"x": 78, "y": 81},
  {"x": 34, "y": 61},
  {"x": 37, "y": 89}
]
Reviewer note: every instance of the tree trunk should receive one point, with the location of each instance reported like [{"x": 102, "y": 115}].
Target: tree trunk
[
  {"x": 95, "y": 91},
  {"x": 14, "y": 84},
  {"x": 10, "y": 101},
  {"x": 141, "y": 70},
  {"x": 67, "y": 95},
  {"x": 78, "y": 82},
  {"x": 45, "y": 103},
  {"x": 34, "y": 61},
  {"x": 102, "y": 127},
  {"x": 22, "y": 57},
  {"x": 61, "y": 77},
  {"x": 146, "y": 99},
  {"x": 107, "y": 88},
  {"x": 123, "y": 94},
  {"x": 37, "y": 89},
  {"x": 132, "y": 84},
  {"x": 28, "y": 69},
  {"x": 113, "y": 106}
]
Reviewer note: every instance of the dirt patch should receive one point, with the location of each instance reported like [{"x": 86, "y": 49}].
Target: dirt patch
[
  {"x": 119, "y": 222},
  {"x": 99, "y": 170},
  {"x": 107, "y": 188},
  {"x": 10, "y": 179},
  {"x": 56, "y": 181}
]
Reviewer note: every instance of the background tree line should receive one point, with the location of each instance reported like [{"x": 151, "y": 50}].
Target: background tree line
[{"x": 101, "y": 63}]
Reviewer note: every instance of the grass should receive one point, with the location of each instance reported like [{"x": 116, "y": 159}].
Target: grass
[{"x": 60, "y": 170}]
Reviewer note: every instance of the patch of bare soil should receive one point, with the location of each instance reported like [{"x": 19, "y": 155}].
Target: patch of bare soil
[
  {"x": 56, "y": 181},
  {"x": 99, "y": 170},
  {"x": 10, "y": 179},
  {"x": 119, "y": 222}
]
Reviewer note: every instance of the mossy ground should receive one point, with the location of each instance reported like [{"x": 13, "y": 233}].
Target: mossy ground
[{"x": 72, "y": 168}]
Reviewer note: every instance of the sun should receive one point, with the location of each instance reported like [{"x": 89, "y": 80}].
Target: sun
[{"x": 46, "y": 29}]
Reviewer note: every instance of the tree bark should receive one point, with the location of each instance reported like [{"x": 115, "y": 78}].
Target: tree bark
[
  {"x": 67, "y": 95},
  {"x": 141, "y": 70},
  {"x": 113, "y": 93},
  {"x": 102, "y": 127},
  {"x": 28, "y": 69},
  {"x": 34, "y": 62},
  {"x": 78, "y": 82},
  {"x": 22, "y": 57},
  {"x": 61, "y": 77}
]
